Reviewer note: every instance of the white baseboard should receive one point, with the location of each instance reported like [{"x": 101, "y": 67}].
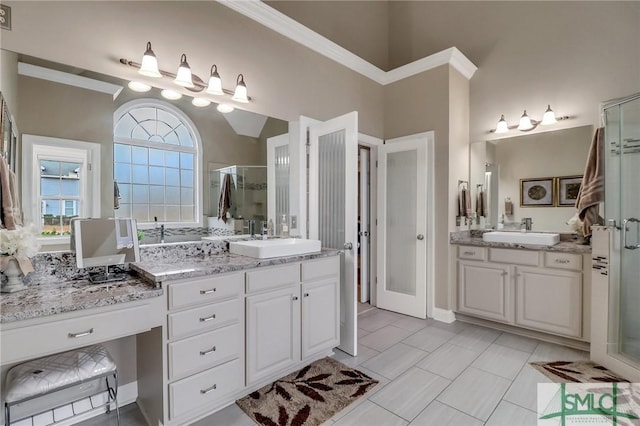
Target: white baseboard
[
  {"x": 444, "y": 315},
  {"x": 126, "y": 395}
]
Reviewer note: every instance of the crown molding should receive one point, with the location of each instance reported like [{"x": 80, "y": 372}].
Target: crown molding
[
  {"x": 282, "y": 24},
  {"x": 69, "y": 79}
]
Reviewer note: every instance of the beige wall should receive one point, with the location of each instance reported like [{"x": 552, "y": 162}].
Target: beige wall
[
  {"x": 9, "y": 81},
  {"x": 552, "y": 154},
  {"x": 285, "y": 79}
]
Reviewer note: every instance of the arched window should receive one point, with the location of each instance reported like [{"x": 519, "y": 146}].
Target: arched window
[{"x": 156, "y": 163}]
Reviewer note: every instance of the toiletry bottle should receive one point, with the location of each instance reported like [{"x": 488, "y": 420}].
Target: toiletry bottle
[
  {"x": 284, "y": 227},
  {"x": 501, "y": 222},
  {"x": 270, "y": 228}
]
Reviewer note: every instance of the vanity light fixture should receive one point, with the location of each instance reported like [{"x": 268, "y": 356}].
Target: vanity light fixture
[
  {"x": 149, "y": 66},
  {"x": 225, "y": 108},
  {"x": 171, "y": 94},
  {"x": 240, "y": 95},
  {"x": 137, "y": 86},
  {"x": 526, "y": 123},
  {"x": 215, "y": 82},
  {"x": 183, "y": 77}
]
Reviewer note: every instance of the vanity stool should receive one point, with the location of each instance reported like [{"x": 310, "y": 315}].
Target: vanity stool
[{"x": 44, "y": 376}]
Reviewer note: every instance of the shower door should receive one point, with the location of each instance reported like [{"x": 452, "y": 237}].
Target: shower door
[{"x": 622, "y": 135}]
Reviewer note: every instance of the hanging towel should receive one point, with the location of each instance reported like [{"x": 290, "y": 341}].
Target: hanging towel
[
  {"x": 116, "y": 196},
  {"x": 592, "y": 188},
  {"x": 224, "y": 202},
  {"x": 481, "y": 203},
  {"x": 10, "y": 212},
  {"x": 464, "y": 203}
]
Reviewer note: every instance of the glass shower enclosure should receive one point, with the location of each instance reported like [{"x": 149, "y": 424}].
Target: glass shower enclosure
[
  {"x": 248, "y": 191},
  {"x": 622, "y": 204}
]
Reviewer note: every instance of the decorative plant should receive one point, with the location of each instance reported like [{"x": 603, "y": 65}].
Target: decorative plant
[{"x": 20, "y": 244}]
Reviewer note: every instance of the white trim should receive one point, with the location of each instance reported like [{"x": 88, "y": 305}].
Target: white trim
[
  {"x": 198, "y": 171},
  {"x": 42, "y": 73},
  {"x": 282, "y": 24},
  {"x": 444, "y": 315}
]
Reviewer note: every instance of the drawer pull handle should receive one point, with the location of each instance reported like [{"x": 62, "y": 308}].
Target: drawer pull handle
[
  {"x": 469, "y": 253},
  {"x": 205, "y": 319},
  {"x": 81, "y": 334},
  {"x": 206, "y": 391},
  {"x": 213, "y": 290},
  {"x": 203, "y": 353},
  {"x": 562, "y": 261}
]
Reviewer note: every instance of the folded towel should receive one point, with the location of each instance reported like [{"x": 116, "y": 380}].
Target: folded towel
[
  {"x": 592, "y": 188},
  {"x": 224, "y": 202},
  {"x": 116, "y": 196},
  {"x": 464, "y": 203},
  {"x": 481, "y": 204},
  {"x": 10, "y": 212}
]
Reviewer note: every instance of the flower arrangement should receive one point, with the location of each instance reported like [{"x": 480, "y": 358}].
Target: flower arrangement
[{"x": 21, "y": 244}]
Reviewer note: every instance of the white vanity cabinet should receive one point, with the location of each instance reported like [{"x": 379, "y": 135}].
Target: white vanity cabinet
[{"x": 538, "y": 290}]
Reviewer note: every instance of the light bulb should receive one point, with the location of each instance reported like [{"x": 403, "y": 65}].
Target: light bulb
[
  {"x": 215, "y": 82},
  {"x": 183, "y": 77},
  {"x": 240, "y": 94},
  {"x": 502, "y": 126},
  {"x": 149, "y": 65},
  {"x": 549, "y": 116},
  {"x": 525, "y": 122}
]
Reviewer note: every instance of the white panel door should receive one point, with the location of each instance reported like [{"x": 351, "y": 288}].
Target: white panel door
[
  {"x": 278, "y": 173},
  {"x": 333, "y": 211},
  {"x": 402, "y": 221}
]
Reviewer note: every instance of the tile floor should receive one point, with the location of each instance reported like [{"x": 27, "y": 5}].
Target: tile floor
[{"x": 432, "y": 373}]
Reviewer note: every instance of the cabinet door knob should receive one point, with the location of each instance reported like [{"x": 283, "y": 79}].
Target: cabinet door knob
[
  {"x": 306, "y": 295},
  {"x": 420, "y": 237},
  {"x": 295, "y": 297}
]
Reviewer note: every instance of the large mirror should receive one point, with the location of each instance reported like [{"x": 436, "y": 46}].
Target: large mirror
[
  {"x": 549, "y": 162},
  {"x": 46, "y": 106}
]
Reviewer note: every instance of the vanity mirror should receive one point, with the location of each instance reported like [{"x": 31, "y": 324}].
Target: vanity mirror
[
  {"x": 68, "y": 106},
  {"x": 501, "y": 165}
]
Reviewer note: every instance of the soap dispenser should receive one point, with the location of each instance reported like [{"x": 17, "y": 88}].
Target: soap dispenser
[{"x": 284, "y": 227}]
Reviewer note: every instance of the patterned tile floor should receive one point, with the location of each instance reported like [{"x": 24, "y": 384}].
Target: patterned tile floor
[{"x": 432, "y": 373}]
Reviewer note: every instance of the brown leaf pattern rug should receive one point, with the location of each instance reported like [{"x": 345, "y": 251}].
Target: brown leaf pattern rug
[
  {"x": 576, "y": 372},
  {"x": 307, "y": 397}
]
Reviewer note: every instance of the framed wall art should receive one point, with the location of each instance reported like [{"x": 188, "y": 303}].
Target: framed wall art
[
  {"x": 568, "y": 188},
  {"x": 537, "y": 192}
]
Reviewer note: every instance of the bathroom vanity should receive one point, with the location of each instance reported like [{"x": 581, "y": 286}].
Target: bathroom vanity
[
  {"x": 541, "y": 291},
  {"x": 209, "y": 329}
]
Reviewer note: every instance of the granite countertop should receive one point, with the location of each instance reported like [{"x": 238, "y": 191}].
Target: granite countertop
[
  {"x": 474, "y": 238},
  {"x": 198, "y": 266},
  {"x": 52, "y": 298}
]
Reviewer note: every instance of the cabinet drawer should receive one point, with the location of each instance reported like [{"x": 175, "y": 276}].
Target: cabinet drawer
[
  {"x": 472, "y": 253},
  {"x": 570, "y": 261},
  {"x": 205, "y": 388},
  {"x": 205, "y": 350},
  {"x": 517, "y": 257},
  {"x": 205, "y": 289},
  {"x": 57, "y": 336},
  {"x": 321, "y": 268},
  {"x": 268, "y": 278},
  {"x": 205, "y": 318}
]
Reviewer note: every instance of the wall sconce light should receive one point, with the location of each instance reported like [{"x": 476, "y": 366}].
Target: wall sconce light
[
  {"x": 185, "y": 78},
  {"x": 526, "y": 123}
]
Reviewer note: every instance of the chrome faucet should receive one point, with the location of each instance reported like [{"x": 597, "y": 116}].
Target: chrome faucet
[
  {"x": 526, "y": 223},
  {"x": 251, "y": 227},
  {"x": 161, "y": 234}
]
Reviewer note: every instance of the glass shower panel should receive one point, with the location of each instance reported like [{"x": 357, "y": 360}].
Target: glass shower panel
[
  {"x": 401, "y": 225},
  {"x": 331, "y": 189},
  {"x": 630, "y": 212},
  {"x": 282, "y": 181}
]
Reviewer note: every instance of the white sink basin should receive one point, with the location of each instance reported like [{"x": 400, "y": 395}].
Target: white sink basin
[
  {"x": 537, "y": 238},
  {"x": 276, "y": 247}
]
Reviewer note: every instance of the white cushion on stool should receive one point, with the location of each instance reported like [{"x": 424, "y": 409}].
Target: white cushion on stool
[{"x": 50, "y": 373}]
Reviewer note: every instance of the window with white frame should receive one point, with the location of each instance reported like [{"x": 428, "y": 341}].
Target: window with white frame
[
  {"x": 60, "y": 182},
  {"x": 156, "y": 163}
]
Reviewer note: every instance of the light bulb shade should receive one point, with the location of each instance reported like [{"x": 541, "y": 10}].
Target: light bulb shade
[
  {"x": 525, "y": 122},
  {"x": 549, "y": 116},
  {"x": 200, "y": 102},
  {"x": 215, "y": 82},
  {"x": 240, "y": 94},
  {"x": 502, "y": 126},
  {"x": 171, "y": 94},
  {"x": 225, "y": 108},
  {"x": 183, "y": 76},
  {"x": 149, "y": 65},
  {"x": 138, "y": 86}
]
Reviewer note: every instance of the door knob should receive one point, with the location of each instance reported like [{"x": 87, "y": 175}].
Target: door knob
[
  {"x": 348, "y": 246},
  {"x": 420, "y": 237}
]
